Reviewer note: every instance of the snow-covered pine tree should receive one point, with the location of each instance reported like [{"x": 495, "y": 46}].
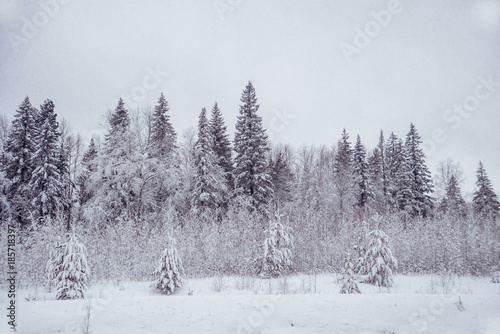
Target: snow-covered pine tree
[
  {"x": 54, "y": 264},
  {"x": 343, "y": 169},
  {"x": 281, "y": 173},
  {"x": 17, "y": 163},
  {"x": 350, "y": 285},
  {"x": 250, "y": 145},
  {"x": 394, "y": 159},
  {"x": 163, "y": 137},
  {"x": 170, "y": 270},
  {"x": 378, "y": 177},
  {"x": 113, "y": 186},
  {"x": 46, "y": 182},
  {"x": 363, "y": 190},
  {"x": 379, "y": 259},
  {"x": 453, "y": 202},
  {"x": 89, "y": 166},
  {"x": 74, "y": 273},
  {"x": 277, "y": 257},
  {"x": 221, "y": 144},
  {"x": 210, "y": 189},
  {"x": 419, "y": 202},
  {"x": 485, "y": 201},
  {"x": 118, "y": 137}
]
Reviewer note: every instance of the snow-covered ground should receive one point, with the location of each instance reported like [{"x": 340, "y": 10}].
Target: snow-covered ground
[{"x": 300, "y": 304}]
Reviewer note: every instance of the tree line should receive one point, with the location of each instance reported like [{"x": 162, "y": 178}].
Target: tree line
[{"x": 205, "y": 187}]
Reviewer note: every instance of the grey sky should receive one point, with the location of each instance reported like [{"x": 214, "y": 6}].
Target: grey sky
[{"x": 428, "y": 57}]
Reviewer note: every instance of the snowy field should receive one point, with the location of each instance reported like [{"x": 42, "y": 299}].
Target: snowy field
[{"x": 300, "y": 304}]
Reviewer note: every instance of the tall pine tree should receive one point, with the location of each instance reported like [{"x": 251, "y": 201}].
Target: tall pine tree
[
  {"x": 17, "y": 162},
  {"x": 46, "y": 182},
  {"x": 221, "y": 144},
  {"x": 363, "y": 191},
  {"x": 419, "y": 202},
  {"x": 163, "y": 136},
  {"x": 343, "y": 172},
  {"x": 485, "y": 200},
  {"x": 453, "y": 202},
  {"x": 250, "y": 145},
  {"x": 209, "y": 184}
]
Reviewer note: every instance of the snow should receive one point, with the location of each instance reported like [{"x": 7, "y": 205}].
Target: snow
[{"x": 252, "y": 305}]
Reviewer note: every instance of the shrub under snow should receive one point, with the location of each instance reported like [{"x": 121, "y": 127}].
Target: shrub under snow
[
  {"x": 350, "y": 285},
  {"x": 72, "y": 273},
  {"x": 169, "y": 269},
  {"x": 379, "y": 259},
  {"x": 277, "y": 251}
]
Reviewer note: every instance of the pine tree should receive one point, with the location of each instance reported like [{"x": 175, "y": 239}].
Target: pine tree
[
  {"x": 419, "y": 202},
  {"x": 394, "y": 160},
  {"x": 485, "y": 201},
  {"x": 378, "y": 175},
  {"x": 54, "y": 264},
  {"x": 221, "y": 144},
  {"x": 250, "y": 145},
  {"x": 453, "y": 202},
  {"x": 350, "y": 285},
  {"x": 343, "y": 168},
  {"x": 118, "y": 137},
  {"x": 363, "y": 191},
  {"x": 169, "y": 269},
  {"x": 278, "y": 245},
  {"x": 46, "y": 182},
  {"x": 281, "y": 174},
  {"x": 379, "y": 259},
  {"x": 17, "y": 163},
  {"x": 89, "y": 166},
  {"x": 209, "y": 185},
  {"x": 74, "y": 273},
  {"x": 163, "y": 136}
]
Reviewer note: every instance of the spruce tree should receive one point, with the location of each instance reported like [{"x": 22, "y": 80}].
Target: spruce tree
[
  {"x": 89, "y": 166},
  {"x": 277, "y": 257},
  {"x": 73, "y": 273},
  {"x": 17, "y": 163},
  {"x": 350, "y": 285},
  {"x": 118, "y": 137},
  {"x": 485, "y": 201},
  {"x": 46, "y": 182},
  {"x": 281, "y": 174},
  {"x": 221, "y": 144},
  {"x": 379, "y": 259},
  {"x": 163, "y": 136},
  {"x": 363, "y": 191},
  {"x": 250, "y": 145},
  {"x": 419, "y": 202},
  {"x": 453, "y": 202},
  {"x": 169, "y": 272},
  {"x": 209, "y": 185},
  {"x": 343, "y": 172},
  {"x": 394, "y": 160}
]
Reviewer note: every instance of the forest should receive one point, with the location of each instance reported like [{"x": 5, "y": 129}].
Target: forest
[{"x": 126, "y": 195}]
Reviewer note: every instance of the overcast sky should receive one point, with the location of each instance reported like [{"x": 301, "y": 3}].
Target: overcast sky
[{"x": 325, "y": 64}]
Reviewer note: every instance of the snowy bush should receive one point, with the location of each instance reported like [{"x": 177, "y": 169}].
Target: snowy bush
[
  {"x": 350, "y": 280},
  {"x": 54, "y": 265},
  {"x": 169, "y": 269},
  {"x": 277, "y": 251},
  {"x": 73, "y": 276},
  {"x": 379, "y": 259}
]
